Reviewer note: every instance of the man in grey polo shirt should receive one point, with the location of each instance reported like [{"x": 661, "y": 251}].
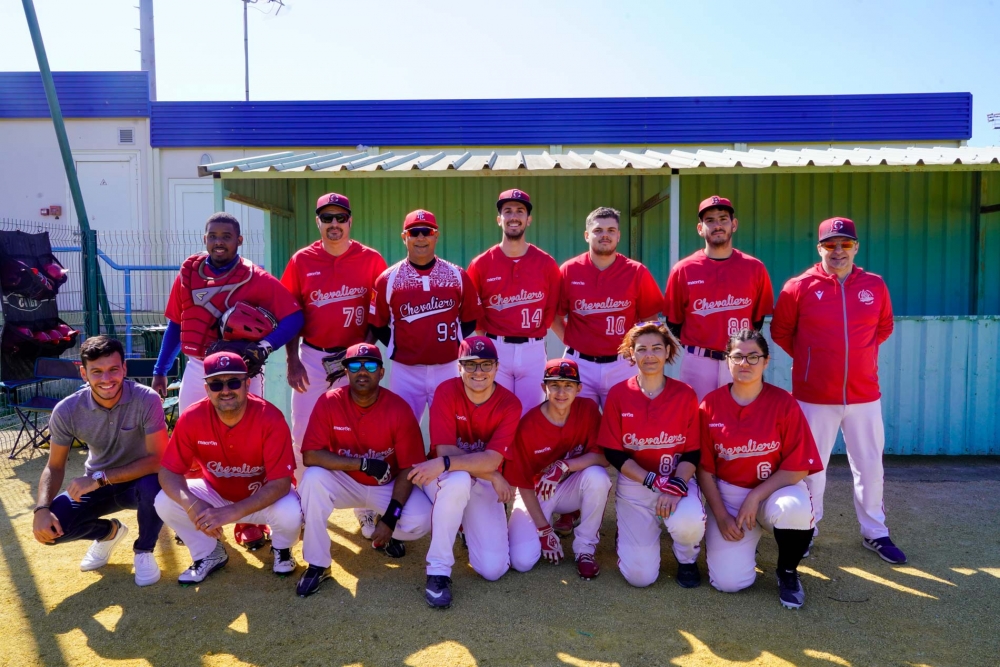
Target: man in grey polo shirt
[{"x": 122, "y": 424}]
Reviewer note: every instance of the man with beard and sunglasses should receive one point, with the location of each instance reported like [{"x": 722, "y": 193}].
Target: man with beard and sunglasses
[
  {"x": 518, "y": 285},
  {"x": 422, "y": 309},
  {"x": 712, "y": 294}
]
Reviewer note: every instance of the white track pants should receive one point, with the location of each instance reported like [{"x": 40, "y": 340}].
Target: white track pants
[
  {"x": 193, "y": 384},
  {"x": 522, "y": 367},
  {"x": 864, "y": 437},
  {"x": 325, "y": 490},
  {"x": 704, "y": 374},
  {"x": 303, "y": 404},
  {"x": 586, "y": 490},
  {"x": 417, "y": 384},
  {"x": 598, "y": 379},
  {"x": 462, "y": 500},
  {"x": 639, "y": 530},
  {"x": 731, "y": 564},
  {"x": 284, "y": 517}
]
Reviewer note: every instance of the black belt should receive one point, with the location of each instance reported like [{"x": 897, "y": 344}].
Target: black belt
[
  {"x": 516, "y": 340},
  {"x": 705, "y": 352},
  {"x": 605, "y": 359},
  {"x": 328, "y": 350}
]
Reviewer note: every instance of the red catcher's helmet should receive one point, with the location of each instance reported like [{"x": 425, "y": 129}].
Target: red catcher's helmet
[{"x": 246, "y": 322}]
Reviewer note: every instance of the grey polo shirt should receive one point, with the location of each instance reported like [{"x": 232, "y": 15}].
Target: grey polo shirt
[{"x": 116, "y": 437}]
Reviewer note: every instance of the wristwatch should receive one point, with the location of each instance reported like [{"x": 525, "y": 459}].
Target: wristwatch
[{"x": 99, "y": 477}]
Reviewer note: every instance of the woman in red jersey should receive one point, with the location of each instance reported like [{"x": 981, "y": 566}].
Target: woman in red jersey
[{"x": 756, "y": 450}]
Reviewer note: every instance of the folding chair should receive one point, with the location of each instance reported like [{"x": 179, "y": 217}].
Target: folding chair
[
  {"x": 142, "y": 370},
  {"x": 46, "y": 369}
]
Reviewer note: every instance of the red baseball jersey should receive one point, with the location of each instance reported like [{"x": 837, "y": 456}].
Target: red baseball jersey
[
  {"x": 715, "y": 298},
  {"x": 455, "y": 420},
  {"x": 235, "y": 461},
  {"x": 655, "y": 431},
  {"x": 602, "y": 305},
  {"x": 744, "y": 445},
  {"x": 519, "y": 294},
  {"x": 385, "y": 430},
  {"x": 539, "y": 442},
  {"x": 425, "y": 308},
  {"x": 335, "y": 293}
]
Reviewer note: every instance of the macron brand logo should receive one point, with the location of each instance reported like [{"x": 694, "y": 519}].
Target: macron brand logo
[
  {"x": 208, "y": 442},
  {"x": 577, "y": 282},
  {"x": 705, "y": 307},
  {"x": 494, "y": 279},
  {"x": 318, "y": 273},
  {"x": 716, "y": 425},
  {"x": 341, "y": 428},
  {"x": 543, "y": 450},
  {"x": 498, "y": 302},
  {"x": 696, "y": 282},
  {"x": 752, "y": 448},
  {"x": 461, "y": 418},
  {"x": 819, "y": 294},
  {"x": 627, "y": 414}
]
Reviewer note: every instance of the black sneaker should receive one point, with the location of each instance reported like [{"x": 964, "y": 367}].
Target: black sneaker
[
  {"x": 438, "y": 591},
  {"x": 688, "y": 575},
  {"x": 311, "y": 579},
  {"x": 790, "y": 591},
  {"x": 394, "y": 549}
]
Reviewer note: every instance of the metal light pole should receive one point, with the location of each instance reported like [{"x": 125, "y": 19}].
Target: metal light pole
[{"x": 246, "y": 49}]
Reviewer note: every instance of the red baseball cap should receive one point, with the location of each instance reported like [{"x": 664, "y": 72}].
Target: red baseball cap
[
  {"x": 333, "y": 199},
  {"x": 477, "y": 347},
  {"x": 420, "y": 218},
  {"x": 715, "y": 201},
  {"x": 363, "y": 351},
  {"x": 837, "y": 227},
  {"x": 514, "y": 195},
  {"x": 224, "y": 363},
  {"x": 561, "y": 369}
]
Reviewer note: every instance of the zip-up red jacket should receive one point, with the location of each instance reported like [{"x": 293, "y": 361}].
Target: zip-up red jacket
[{"x": 832, "y": 333}]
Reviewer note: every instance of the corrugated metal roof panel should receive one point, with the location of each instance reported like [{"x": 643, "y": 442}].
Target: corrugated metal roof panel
[{"x": 81, "y": 94}]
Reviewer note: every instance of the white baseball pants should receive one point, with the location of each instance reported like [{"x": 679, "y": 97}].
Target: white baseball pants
[
  {"x": 462, "y": 500},
  {"x": 731, "y": 564},
  {"x": 416, "y": 384},
  {"x": 704, "y": 374},
  {"x": 284, "y": 517},
  {"x": 193, "y": 384},
  {"x": 325, "y": 490},
  {"x": 598, "y": 379},
  {"x": 522, "y": 367},
  {"x": 585, "y": 490},
  {"x": 864, "y": 438},
  {"x": 639, "y": 530},
  {"x": 303, "y": 404}
]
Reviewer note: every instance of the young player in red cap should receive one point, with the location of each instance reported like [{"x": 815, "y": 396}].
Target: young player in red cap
[
  {"x": 650, "y": 433},
  {"x": 712, "y": 294},
  {"x": 518, "y": 285},
  {"x": 756, "y": 449},
  {"x": 831, "y": 320},
  {"x": 361, "y": 442},
  {"x": 557, "y": 466},
  {"x": 423, "y": 307},
  {"x": 603, "y": 294},
  {"x": 244, "y": 448},
  {"x": 473, "y": 422}
]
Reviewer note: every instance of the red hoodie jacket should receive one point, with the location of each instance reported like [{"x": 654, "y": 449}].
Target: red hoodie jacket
[{"x": 832, "y": 333}]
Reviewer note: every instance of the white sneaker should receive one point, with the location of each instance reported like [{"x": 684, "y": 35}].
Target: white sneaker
[
  {"x": 200, "y": 569},
  {"x": 147, "y": 572},
  {"x": 283, "y": 561},
  {"x": 367, "y": 520},
  {"x": 100, "y": 551}
]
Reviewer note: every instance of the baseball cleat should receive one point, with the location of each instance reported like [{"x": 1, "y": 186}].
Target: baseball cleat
[
  {"x": 790, "y": 591},
  {"x": 438, "y": 591},
  {"x": 394, "y": 549},
  {"x": 367, "y": 520},
  {"x": 251, "y": 536},
  {"x": 587, "y": 567},
  {"x": 886, "y": 550},
  {"x": 311, "y": 579},
  {"x": 201, "y": 568},
  {"x": 566, "y": 523},
  {"x": 283, "y": 561},
  {"x": 688, "y": 575},
  {"x": 100, "y": 550},
  {"x": 147, "y": 572}
]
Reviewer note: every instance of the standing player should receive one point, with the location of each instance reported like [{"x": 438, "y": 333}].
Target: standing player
[
  {"x": 557, "y": 466},
  {"x": 361, "y": 442},
  {"x": 423, "y": 307},
  {"x": 650, "y": 433},
  {"x": 244, "y": 448},
  {"x": 756, "y": 449},
  {"x": 603, "y": 294},
  {"x": 831, "y": 320},
  {"x": 712, "y": 294},
  {"x": 518, "y": 285},
  {"x": 473, "y": 423}
]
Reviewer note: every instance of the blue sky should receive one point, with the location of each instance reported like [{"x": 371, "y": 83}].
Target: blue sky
[{"x": 390, "y": 49}]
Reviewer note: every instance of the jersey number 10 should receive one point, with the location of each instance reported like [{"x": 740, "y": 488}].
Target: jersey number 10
[{"x": 616, "y": 325}]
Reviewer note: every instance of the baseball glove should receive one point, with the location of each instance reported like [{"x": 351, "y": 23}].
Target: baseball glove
[{"x": 253, "y": 353}]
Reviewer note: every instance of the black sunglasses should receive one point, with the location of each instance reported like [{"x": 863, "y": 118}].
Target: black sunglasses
[
  {"x": 327, "y": 218},
  {"x": 421, "y": 231},
  {"x": 355, "y": 366},
  {"x": 233, "y": 384}
]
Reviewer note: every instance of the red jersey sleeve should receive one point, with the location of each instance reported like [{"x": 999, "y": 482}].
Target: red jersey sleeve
[
  {"x": 279, "y": 461},
  {"x": 473, "y": 272},
  {"x": 290, "y": 279},
  {"x": 174, "y": 305},
  {"x": 442, "y": 421},
  {"x": 610, "y": 436},
  {"x": 408, "y": 440},
  {"x": 785, "y": 320},
  {"x": 764, "y": 303},
  {"x": 707, "y": 446},
  {"x": 885, "y": 323},
  {"x": 673, "y": 298},
  {"x": 650, "y": 301},
  {"x": 798, "y": 450},
  {"x": 378, "y": 312},
  {"x": 277, "y": 299},
  {"x": 318, "y": 431},
  {"x": 378, "y": 267},
  {"x": 562, "y": 308},
  {"x": 180, "y": 452},
  {"x": 471, "y": 309}
]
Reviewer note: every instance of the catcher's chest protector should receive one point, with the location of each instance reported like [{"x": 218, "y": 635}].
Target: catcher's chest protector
[{"x": 205, "y": 297}]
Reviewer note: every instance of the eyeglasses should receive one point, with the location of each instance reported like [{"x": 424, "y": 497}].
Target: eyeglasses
[
  {"x": 327, "y": 218},
  {"x": 370, "y": 366},
  {"x": 414, "y": 232},
  {"x": 836, "y": 245},
  {"x": 752, "y": 359},
  {"x": 473, "y": 366},
  {"x": 232, "y": 384}
]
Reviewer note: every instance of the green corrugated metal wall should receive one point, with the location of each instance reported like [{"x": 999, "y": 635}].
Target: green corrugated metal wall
[{"x": 988, "y": 279}]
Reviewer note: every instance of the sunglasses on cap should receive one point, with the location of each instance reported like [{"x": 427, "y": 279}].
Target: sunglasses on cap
[
  {"x": 232, "y": 384},
  {"x": 414, "y": 232},
  {"x": 355, "y": 366},
  {"x": 834, "y": 245},
  {"x": 327, "y": 218}
]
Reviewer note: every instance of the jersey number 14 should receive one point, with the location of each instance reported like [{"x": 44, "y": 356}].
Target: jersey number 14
[{"x": 531, "y": 320}]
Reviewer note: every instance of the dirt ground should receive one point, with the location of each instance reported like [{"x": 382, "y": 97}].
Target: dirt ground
[{"x": 943, "y": 608}]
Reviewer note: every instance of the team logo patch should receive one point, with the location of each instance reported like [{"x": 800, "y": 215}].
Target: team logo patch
[
  {"x": 420, "y": 215},
  {"x": 866, "y": 297},
  {"x": 363, "y": 349},
  {"x": 478, "y": 346},
  {"x": 837, "y": 225},
  {"x": 224, "y": 362},
  {"x": 715, "y": 200},
  {"x": 819, "y": 294}
]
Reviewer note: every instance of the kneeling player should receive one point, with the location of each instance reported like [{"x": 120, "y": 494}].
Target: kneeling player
[
  {"x": 557, "y": 466},
  {"x": 359, "y": 441},
  {"x": 756, "y": 451}
]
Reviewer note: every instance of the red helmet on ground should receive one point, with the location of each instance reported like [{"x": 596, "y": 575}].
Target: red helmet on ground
[
  {"x": 54, "y": 270},
  {"x": 246, "y": 322},
  {"x": 65, "y": 330}
]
